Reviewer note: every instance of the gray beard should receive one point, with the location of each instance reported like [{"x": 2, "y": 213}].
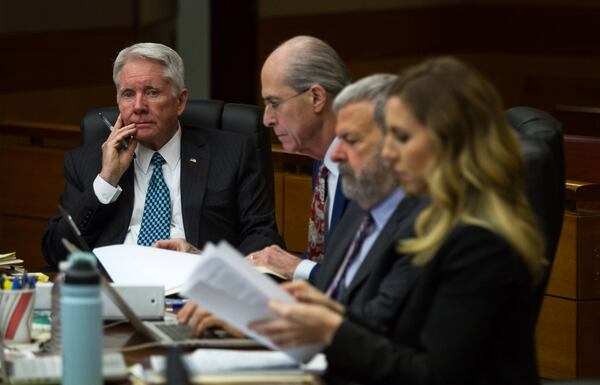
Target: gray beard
[{"x": 373, "y": 185}]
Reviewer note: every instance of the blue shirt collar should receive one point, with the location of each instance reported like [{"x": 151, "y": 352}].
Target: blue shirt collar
[{"x": 382, "y": 212}]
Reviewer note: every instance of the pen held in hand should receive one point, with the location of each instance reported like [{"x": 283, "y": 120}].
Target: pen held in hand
[{"x": 122, "y": 144}]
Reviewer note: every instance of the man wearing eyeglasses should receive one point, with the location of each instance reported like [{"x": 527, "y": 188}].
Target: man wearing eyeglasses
[
  {"x": 300, "y": 79},
  {"x": 299, "y": 82}
]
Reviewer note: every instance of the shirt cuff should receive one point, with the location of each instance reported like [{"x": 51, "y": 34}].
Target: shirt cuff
[
  {"x": 303, "y": 269},
  {"x": 105, "y": 192}
]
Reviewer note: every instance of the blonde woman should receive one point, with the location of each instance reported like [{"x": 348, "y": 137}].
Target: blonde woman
[{"x": 467, "y": 316}]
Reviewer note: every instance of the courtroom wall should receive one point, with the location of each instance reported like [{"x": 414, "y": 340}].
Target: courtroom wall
[{"x": 59, "y": 54}]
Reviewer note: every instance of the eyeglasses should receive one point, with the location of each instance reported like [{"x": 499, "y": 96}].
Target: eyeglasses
[{"x": 274, "y": 102}]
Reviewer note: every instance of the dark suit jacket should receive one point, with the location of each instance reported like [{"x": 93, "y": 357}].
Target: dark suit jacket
[
  {"x": 466, "y": 317},
  {"x": 222, "y": 196},
  {"x": 372, "y": 288}
]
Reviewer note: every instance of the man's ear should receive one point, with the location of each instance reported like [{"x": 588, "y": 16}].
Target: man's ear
[
  {"x": 182, "y": 101},
  {"x": 319, "y": 97}
]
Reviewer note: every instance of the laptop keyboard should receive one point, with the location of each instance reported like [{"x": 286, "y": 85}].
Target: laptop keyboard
[{"x": 177, "y": 332}]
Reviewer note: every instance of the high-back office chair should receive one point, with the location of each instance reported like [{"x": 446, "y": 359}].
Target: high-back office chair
[
  {"x": 542, "y": 146},
  {"x": 214, "y": 114}
]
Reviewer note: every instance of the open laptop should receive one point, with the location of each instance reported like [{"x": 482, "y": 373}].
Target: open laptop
[
  {"x": 48, "y": 369},
  {"x": 168, "y": 332}
]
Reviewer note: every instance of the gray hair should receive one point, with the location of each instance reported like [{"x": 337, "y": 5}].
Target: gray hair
[
  {"x": 314, "y": 62},
  {"x": 372, "y": 88},
  {"x": 160, "y": 53}
]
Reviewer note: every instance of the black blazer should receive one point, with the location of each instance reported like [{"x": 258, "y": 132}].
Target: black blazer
[
  {"x": 372, "y": 288},
  {"x": 222, "y": 196},
  {"x": 467, "y": 317}
]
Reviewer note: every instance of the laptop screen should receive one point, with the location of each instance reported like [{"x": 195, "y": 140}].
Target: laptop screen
[{"x": 83, "y": 245}]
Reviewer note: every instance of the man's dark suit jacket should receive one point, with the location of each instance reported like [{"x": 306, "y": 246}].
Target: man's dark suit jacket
[
  {"x": 222, "y": 196},
  {"x": 466, "y": 317},
  {"x": 372, "y": 288}
]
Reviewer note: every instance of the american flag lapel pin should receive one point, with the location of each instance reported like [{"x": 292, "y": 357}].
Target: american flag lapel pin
[{"x": 193, "y": 160}]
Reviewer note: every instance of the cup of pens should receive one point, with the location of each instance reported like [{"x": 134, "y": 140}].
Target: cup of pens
[{"x": 17, "y": 299}]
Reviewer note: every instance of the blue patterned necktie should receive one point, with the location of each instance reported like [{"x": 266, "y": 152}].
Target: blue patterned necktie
[{"x": 156, "y": 220}]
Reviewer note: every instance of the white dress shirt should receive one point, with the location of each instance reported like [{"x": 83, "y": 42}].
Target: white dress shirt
[{"x": 171, "y": 151}]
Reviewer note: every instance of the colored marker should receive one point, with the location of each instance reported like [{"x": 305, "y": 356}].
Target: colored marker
[
  {"x": 16, "y": 283},
  {"x": 24, "y": 279}
]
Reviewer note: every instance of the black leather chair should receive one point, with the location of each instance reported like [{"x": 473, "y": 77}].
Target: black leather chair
[
  {"x": 542, "y": 145},
  {"x": 214, "y": 114}
]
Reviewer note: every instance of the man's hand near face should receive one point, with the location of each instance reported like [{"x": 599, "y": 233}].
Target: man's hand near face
[{"x": 115, "y": 159}]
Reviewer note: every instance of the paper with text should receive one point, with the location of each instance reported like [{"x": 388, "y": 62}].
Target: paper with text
[{"x": 227, "y": 285}]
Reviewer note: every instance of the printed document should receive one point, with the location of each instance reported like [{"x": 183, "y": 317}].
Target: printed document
[{"x": 227, "y": 285}]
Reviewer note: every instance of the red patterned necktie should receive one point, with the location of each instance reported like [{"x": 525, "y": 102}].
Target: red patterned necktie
[{"x": 316, "y": 223}]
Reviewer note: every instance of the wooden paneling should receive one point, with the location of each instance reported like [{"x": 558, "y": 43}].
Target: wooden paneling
[
  {"x": 588, "y": 255},
  {"x": 296, "y": 208},
  {"x": 576, "y": 268},
  {"x": 582, "y": 156},
  {"x": 72, "y": 58},
  {"x": 537, "y": 55},
  {"x": 556, "y": 338},
  {"x": 278, "y": 186},
  {"x": 23, "y": 235},
  {"x": 563, "y": 278},
  {"x": 57, "y": 105},
  {"x": 31, "y": 180},
  {"x": 583, "y": 118},
  {"x": 456, "y": 28},
  {"x": 588, "y": 334},
  {"x": 568, "y": 329},
  {"x": 568, "y": 338},
  {"x": 61, "y": 58}
]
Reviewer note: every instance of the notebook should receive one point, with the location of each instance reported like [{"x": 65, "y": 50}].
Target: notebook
[
  {"x": 169, "y": 332},
  {"x": 48, "y": 369}
]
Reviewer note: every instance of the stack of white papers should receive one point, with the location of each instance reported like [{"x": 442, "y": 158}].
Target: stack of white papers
[
  {"x": 235, "y": 366},
  {"x": 9, "y": 261},
  {"x": 228, "y": 286},
  {"x": 225, "y": 360},
  {"x": 142, "y": 265}
]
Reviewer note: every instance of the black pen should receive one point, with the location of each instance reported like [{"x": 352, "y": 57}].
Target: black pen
[{"x": 122, "y": 144}]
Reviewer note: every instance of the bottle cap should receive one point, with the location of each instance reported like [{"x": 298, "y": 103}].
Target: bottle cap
[
  {"x": 63, "y": 266},
  {"x": 83, "y": 270}
]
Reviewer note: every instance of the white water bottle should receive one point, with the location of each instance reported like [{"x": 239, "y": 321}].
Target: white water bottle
[{"x": 81, "y": 322}]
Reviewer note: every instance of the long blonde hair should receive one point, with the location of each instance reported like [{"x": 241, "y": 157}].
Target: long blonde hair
[{"x": 477, "y": 173}]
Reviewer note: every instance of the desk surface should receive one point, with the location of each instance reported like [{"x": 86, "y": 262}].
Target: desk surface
[{"x": 123, "y": 335}]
